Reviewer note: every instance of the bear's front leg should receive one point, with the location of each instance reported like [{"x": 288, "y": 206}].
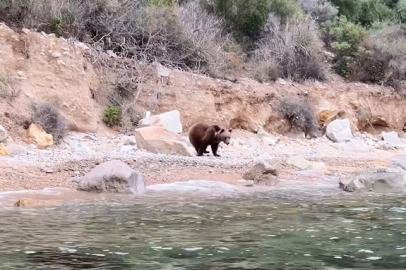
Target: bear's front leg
[{"x": 214, "y": 148}]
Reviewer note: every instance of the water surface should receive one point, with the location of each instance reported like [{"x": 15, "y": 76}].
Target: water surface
[{"x": 282, "y": 229}]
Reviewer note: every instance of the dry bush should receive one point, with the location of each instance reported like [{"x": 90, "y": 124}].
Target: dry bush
[
  {"x": 48, "y": 116},
  {"x": 9, "y": 88},
  {"x": 185, "y": 37},
  {"x": 364, "y": 117},
  {"x": 294, "y": 52},
  {"x": 383, "y": 59},
  {"x": 300, "y": 114}
]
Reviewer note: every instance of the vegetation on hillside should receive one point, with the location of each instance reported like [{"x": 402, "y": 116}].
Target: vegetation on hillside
[
  {"x": 262, "y": 39},
  {"x": 265, "y": 39}
]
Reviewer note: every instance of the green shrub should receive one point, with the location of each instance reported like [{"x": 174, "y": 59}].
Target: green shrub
[
  {"x": 112, "y": 116},
  {"x": 382, "y": 57},
  {"x": 364, "y": 12},
  {"x": 401, "y": 10},
  {"x": 247, "y": 18},
  {"x": 320, "y": 10},
  {"x": 343, "y": 37}
]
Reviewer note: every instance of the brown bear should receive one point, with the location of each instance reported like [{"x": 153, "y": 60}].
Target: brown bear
[{"x": 202, "y": 135}]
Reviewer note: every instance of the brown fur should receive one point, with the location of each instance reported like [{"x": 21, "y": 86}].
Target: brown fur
[{"x": 202, "y": 135}]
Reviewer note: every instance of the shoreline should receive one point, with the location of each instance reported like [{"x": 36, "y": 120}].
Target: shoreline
[{"x": 52, "y": 168}]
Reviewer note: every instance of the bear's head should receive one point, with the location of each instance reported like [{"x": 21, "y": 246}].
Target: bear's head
[{"x": 224, "y": 135}]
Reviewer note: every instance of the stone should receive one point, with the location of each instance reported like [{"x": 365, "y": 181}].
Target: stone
[
  {"x": 158, "y": 140},
  {"x": 339, "y": 130},
  {"x": 3, "y": 151},
  {"x": 16, "y": 149},
  {"x": 35, "y": 203},
  {"x": 325, "y": 117},
  {"x": 56, "y": 54},
  {"x": 318, "y": 166},
  {"x": 3, "y": 134},
  {"x": 170, "y": 121},
  {"x": 262, "y": 174},
  {"x": 380, "y": 180},
  {"x": 36, "y": 135},
  {"x": 355, "y": 145},
  {"x": 112, "y": 176},
  {"x": 299, "y": 162},
  {"x": 267, "y": 139},
  {"x": 381, "y": 145},
  {"x": 392, "y": 138}
]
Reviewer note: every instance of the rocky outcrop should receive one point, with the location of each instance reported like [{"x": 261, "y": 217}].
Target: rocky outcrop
[
  {"x": 262, "y": 174},
  {"x": 37, "y": 136},
  {"x": 3, "y": 150},
  {"x": 380, "y": 180},
  {"x": 170, "y": 121},
  {"x": 339, "y": 130},
  {"x": 158, "y": 140},
  {"x": 112, "y": 176}
]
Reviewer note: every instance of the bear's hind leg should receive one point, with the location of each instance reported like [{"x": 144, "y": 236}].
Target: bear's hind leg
[{"x": 202, "y": 150}]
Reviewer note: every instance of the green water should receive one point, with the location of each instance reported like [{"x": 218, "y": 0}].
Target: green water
[{"x": 282, "y": 230}]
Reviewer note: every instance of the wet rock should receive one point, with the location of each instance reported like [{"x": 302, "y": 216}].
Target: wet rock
[
  {"x": 159, "y": 140},
  {"x": 3, "y": 134},
  {"x": 170, "y": 121},
  {"x": 263, "y": 174},
  {"x": 339, "y": 130},
  {"x": 112, "y": 176},
  {"x": 3, "y": 150},
  {"x": 36, "y": 135},
  {"x": 380, "y": 180},
  {"x": 35, "y": 203}
]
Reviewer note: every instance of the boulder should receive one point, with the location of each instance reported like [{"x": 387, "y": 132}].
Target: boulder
[
  {"x": 37, "y": 136},
  {"x": 112, "y": 176},
  {"x": 299, "y": 162},
  {"x": 170, "y": 121},
  {"x": 392, "y": 138},
  {"x": 15, "y": 149},
  {"x": 339, "y": 130},
  {"x": 3, "y": 151},
  {"x": 3, "y": 133},
  {"x": 355, "y": 145},
  {"x": 262, "y": 174},
  {"x": 380, "y": 180},
  {"x": 267, "y": 139},
  {"x": 158, "y": 140}
]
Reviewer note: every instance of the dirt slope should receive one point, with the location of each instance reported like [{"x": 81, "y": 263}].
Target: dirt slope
[{"x": 47, "y": 68}]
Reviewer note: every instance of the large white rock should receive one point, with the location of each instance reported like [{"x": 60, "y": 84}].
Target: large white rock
[
  {"x": 168, "y": 120},
  {"x": 339, "y": 130},
  {"x": 113, "y": 176},
  {"x": 392, "y": 138},
  {"x": 158, "y": 140},
  {"x": 3, "y": 133}
]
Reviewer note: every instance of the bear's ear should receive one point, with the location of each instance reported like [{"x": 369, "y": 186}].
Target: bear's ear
[{"x": 230, "y": 130}]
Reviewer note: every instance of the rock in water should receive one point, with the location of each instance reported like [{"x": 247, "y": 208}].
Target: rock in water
[
  {"x": 112, "y": 176},
  {"x": 381, "y": 180}
]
